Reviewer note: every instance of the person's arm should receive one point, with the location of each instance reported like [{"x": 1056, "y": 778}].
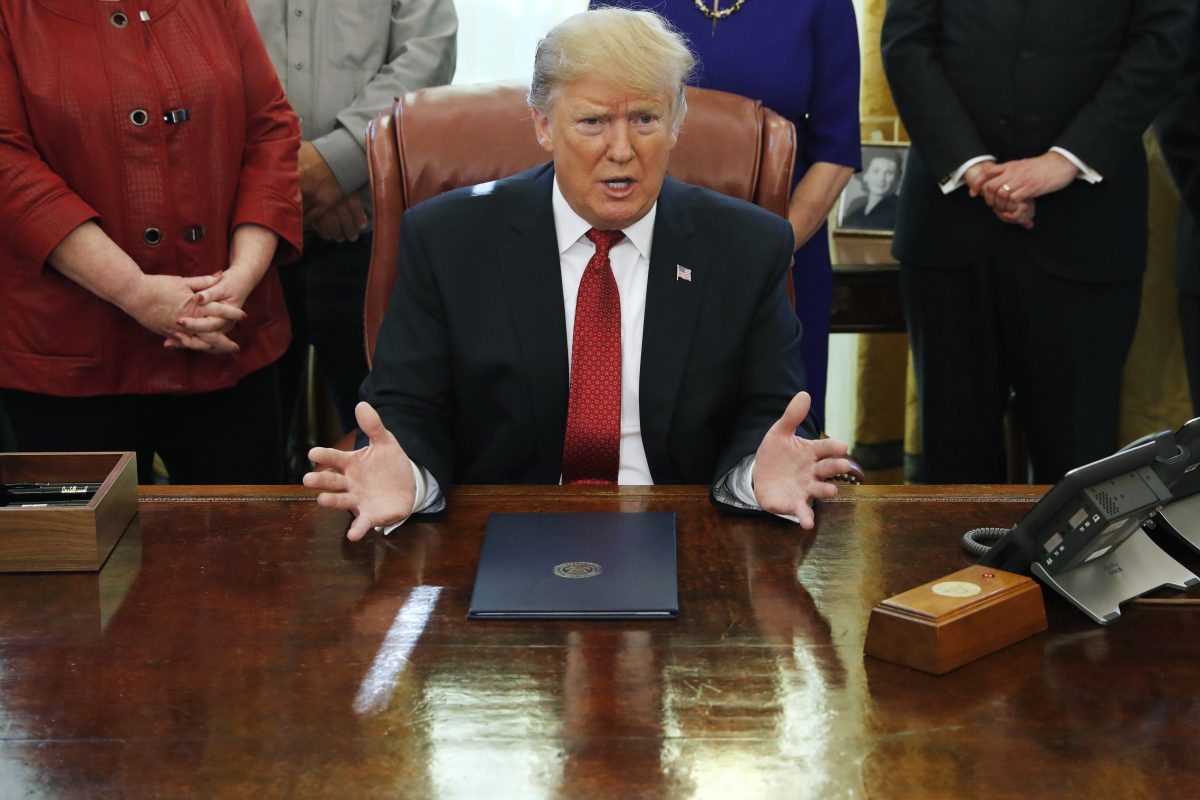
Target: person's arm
[
  {"x": 936, "y": 119},
  {"x": 37, "y": 208},
  {"x": 771, "y": 372},
  {"x": 268, "y": 186},
  {"x": 814, "y": 197},
  {"x": 422, "y": 46},
  {"x": 831, "y": 137},
  {"x": 1178, "y": 130},
  {"x": 1137, "y": 87},
  {"x": 410, "y": 383}
]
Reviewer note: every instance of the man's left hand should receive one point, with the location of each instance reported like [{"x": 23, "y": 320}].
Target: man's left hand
[
  {"x": 1027, "y": 178},
  {"x": 791, "y": 472},
  {"x": 344, "y": 222},
  {"x": 319, "y": 188}
]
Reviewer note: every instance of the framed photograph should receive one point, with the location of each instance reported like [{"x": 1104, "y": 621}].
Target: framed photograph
[
  {"x": 879, "y": 129},
  {"x": 867, "y": 205}
]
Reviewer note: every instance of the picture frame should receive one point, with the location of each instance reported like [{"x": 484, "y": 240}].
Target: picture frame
[
  {"x": 875, "y": 130},
  {"x": 867, "y": 206}
]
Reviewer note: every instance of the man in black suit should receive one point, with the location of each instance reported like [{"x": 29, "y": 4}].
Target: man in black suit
[
  {"x": 681, "y": 364},
  {"x": 1021, "y": 229},
  {"x": 1178, "y": 129}
]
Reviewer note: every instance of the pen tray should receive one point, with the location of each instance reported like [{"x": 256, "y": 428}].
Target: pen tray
[{"x": 66, "y": 538}]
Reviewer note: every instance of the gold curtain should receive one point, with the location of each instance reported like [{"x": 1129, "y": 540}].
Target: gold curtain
[{"x": 1155, "y": 394}]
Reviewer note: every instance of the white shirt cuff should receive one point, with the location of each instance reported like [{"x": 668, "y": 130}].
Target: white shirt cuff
[
  {"x": 427, "y": 494},
  {"x": 737, "y": 488},
  {"x": 1086, "y": 173},
  {"x": 955, "y": 179}
]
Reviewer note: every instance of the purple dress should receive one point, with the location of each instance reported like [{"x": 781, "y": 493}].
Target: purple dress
[{"x": 800, "y": 57}]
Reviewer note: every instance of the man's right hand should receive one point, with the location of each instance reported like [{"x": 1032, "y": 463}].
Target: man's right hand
[{"x": 374, "y": 483}]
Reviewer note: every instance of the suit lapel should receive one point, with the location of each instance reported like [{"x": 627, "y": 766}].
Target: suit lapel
[
  {"x": 532, "y": 279},
  {"x": 672, "y": 308}
]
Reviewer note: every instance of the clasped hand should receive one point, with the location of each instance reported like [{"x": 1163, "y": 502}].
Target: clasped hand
[
  {"x": 193, "y": 313},
  {"x": 1011, "y": 188}
]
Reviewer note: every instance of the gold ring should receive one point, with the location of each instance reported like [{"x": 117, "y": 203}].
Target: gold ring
[{"x": 1006, "y": 188}]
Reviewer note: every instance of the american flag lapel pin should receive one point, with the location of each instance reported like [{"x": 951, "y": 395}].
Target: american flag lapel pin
[{"x": 682, "y": 273}]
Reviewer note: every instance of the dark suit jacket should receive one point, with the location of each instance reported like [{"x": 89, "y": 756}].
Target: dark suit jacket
[
  {"x": 1013, "y": 78},
  {"x": 471, "y": 370}
]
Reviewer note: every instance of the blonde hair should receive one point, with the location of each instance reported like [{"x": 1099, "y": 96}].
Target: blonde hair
[{"x": 636, "y": 50}]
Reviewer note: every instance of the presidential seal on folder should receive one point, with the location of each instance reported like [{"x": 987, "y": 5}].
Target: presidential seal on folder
[{"x": 617, "y": 565}]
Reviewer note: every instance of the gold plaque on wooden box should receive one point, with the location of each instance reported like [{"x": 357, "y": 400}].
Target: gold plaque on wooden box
[{"x": 953, "y": 620}]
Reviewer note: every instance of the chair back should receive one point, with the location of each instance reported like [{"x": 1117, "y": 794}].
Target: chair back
[{"x": 435, "y": 140}]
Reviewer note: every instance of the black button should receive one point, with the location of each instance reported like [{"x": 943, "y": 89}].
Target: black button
[
  {"x": 118, "y": 19},
  {"x": 1003, "y": 119},
  {"x": 194, "y": 233},
  {"x": 1024, "y": 55},
  {"x": 139, "y": 117},
  {"x": 177, "y": 116},
  {"x": 152, "y": 236}
]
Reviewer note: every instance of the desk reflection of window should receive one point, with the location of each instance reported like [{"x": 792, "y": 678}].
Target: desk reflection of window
[{"x": 868, "y": 203}]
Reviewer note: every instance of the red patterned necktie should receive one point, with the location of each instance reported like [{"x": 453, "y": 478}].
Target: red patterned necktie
[{"x": 592, "y": 445}]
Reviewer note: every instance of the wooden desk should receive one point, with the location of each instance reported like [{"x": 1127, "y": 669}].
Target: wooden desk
[{"x": 237, "y": 646}]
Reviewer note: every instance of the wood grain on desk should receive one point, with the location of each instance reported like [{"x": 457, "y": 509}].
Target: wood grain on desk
[{"x": 237, "y": 646}]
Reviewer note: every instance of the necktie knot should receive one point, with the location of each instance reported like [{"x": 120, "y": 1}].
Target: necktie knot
[{"x": 604, "y": 240}]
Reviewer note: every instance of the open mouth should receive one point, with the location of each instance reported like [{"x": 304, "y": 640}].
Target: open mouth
[{"x": 618, "y": 187}]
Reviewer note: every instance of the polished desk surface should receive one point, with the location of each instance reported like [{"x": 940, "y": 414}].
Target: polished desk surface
[{"x": 236, "y": 646}]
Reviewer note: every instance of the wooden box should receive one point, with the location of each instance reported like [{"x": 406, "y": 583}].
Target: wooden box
[
  {"x": 956, "y": 619},
  {"x": 58, "y": 539}
]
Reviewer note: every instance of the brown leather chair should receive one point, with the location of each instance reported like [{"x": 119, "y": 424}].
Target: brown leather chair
[
  {"x": 443, "y": 138},
  {"x": 439, "y": 139}
]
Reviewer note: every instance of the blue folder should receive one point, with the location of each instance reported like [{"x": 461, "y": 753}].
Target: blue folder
[{"x": 581, "y": 566}]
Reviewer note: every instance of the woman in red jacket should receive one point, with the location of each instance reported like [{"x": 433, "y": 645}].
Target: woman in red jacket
[{"x": 148, "y": 174}]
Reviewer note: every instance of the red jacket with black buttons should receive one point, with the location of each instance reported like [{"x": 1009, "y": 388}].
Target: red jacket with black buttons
[{"x": 93, "y": 101}]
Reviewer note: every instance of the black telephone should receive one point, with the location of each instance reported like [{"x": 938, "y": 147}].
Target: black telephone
[{"x": 1075, "y": 537}]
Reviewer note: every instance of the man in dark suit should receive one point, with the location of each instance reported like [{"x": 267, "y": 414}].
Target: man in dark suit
[
  {"x": 1178, "y": 129},
  {"x": 1021, "y": 229},
  {"x": 680, "y": 363}
]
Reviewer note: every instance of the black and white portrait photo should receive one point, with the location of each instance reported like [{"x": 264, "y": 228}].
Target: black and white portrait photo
[{"x": 868, "y": 203}]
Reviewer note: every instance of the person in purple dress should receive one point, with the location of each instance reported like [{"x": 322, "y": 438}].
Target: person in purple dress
[{"x": 800, "y": 58}]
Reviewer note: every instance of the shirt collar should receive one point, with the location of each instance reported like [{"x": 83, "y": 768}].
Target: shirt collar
[{"x": 570, "y": 227}]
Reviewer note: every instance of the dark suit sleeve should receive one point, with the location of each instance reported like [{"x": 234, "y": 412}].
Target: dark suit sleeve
[
  {"x": 1179, "y": 131},
  {"x": 1137, "y": 87},
  {"x": 410, "y": 381},
  {"x": 931, "y": 109},
  {"x": 772, "y": 372}
]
